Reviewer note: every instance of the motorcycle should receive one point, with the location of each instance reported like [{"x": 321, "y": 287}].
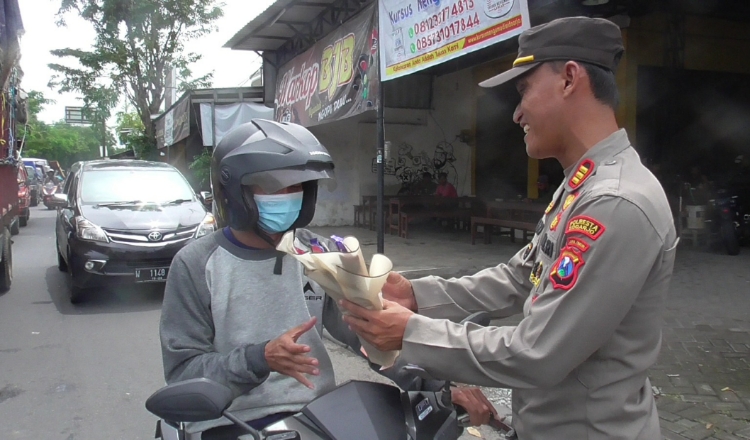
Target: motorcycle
[
  {"x": 356, "y": 409},
  {"x": 48, "y": 193}
]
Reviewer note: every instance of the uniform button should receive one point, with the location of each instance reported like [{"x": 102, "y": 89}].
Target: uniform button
[{"x": 610, "y": 162}]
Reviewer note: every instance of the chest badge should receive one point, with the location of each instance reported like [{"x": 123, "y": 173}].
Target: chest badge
[
  {"x": 536, "y": 274},
  {"x": 569, "y": 201},
  {"x": 555, "y": 222},
  {"x": 584, "y": 171}
]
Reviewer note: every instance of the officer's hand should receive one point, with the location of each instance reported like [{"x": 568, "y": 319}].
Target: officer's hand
[
  {"x": 384, "y": 329},
  {"x": 475, "y": 403},
  {"x": 284, "y": 355},
  {"x": 398, "y": 289}
]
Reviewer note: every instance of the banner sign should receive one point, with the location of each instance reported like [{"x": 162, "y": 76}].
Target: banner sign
[
  {"x": 174, "y": 126},
  {"x": 335, "y": 79},
  {"x": 417, "y": 34}
]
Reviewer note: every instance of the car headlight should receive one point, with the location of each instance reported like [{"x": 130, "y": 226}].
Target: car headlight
[
  {"x": 207, "y": 226},
  {"x": 85, "y": 230}
]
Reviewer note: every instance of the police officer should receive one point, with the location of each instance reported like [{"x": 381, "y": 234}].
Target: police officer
[{"x": 591, "y": 284}]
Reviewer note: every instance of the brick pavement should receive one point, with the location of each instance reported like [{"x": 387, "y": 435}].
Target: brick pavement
[{"x": 702, "y": 377}]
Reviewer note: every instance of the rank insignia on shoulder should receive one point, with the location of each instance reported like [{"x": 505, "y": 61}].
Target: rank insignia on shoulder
[
  {"x": 555, "y": 222},
  {"x": 564, "y": 273},
  {"x": 579, "y": 244},
  {"x": 536, "y": 274},
  {"x": 584, "y": 171},
  {"x": 585, "y": 225},
  {"x": 540, "y": 226},
  {"x": 569, "y": 201}
]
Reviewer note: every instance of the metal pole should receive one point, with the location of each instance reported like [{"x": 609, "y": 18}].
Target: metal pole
[
  {"x": 213, "y": 121},
  {"x": 380, "y": 155}
]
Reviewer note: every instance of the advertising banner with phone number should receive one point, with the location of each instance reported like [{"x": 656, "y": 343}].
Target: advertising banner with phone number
[
  {"x": 335, "y": 79},
  {"x": 417, "y": 34}
]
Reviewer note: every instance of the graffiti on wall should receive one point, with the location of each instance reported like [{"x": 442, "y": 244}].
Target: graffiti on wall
[{"x": 409, "y": 164}]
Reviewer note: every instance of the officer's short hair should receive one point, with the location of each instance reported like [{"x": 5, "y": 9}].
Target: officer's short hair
[{"x": 603, "y": 82}]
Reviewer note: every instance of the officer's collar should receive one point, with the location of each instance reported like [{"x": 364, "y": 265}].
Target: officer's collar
[{"x": 579, "y": 173}]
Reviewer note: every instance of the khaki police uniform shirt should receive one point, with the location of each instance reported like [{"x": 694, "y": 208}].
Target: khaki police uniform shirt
[{"x": 591, "y": 286}]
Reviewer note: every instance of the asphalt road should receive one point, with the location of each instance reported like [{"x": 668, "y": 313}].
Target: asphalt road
[
  {"x": 84, "y": 372},
  {"x": 73, "y": 372}
]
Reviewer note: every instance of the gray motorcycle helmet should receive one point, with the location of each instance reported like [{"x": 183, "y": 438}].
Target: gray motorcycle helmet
[{"x": 272, "y": 156}]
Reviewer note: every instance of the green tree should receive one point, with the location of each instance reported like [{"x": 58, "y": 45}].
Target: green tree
[
  {"x": 132, "y": 133},
  {"x": 59, "y": 141},
  {"x": 136, "y": 41}
]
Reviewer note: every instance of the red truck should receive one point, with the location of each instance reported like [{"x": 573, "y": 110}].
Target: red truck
[{"x": 11, "y": 110}]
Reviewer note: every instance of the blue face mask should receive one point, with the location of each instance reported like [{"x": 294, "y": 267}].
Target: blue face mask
[{"x": 278, "y": 212}]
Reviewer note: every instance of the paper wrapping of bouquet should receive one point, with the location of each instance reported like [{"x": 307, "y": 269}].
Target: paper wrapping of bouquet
[{"x": 344, "y": 275}]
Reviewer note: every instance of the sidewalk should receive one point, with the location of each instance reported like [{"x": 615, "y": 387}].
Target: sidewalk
[{"x": 702, "y": 377}]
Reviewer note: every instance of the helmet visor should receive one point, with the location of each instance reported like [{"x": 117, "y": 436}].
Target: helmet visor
[{"x": 274, "y": 180}]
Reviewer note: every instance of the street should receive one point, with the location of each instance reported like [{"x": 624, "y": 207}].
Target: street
[{"x": 68, "y": 372}]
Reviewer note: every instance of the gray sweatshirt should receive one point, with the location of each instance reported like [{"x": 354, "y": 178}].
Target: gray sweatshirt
[{"x": 222, "y": 304}]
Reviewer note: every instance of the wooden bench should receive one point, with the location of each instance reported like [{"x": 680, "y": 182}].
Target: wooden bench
[
  {"x": 528, "y": 228},
  {"x": 406, "y": 215}
]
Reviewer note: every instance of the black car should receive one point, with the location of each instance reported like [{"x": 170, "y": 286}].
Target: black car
[{"x": 123, "y": 221}]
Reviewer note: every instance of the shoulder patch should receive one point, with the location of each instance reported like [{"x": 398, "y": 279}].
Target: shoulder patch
[
  {"x": 584, "y": 171},
  {"x": 540, "y": 226},
  {"x": 585, "y": 225},
  {"x": 579, "y": 244},
  {"x": 564, "y": 273}
]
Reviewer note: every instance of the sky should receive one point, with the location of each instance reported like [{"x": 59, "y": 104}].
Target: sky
[{"x": 231, "y": 68}]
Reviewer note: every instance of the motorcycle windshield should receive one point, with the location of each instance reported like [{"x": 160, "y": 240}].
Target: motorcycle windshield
[{"x": 359, "y": 410}]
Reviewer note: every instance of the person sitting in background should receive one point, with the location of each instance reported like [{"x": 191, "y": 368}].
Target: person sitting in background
[
  {"x": 445, "y": 188},
  {"x": 424, "y": 187}
]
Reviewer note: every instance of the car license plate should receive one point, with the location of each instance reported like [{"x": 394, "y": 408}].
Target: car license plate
[{"x": 151, "y": 275}]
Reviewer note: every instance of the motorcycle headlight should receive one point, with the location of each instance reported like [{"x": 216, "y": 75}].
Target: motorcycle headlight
[
  {"x": 85, "y": 230},
  {"x": 207, "y": 226}
]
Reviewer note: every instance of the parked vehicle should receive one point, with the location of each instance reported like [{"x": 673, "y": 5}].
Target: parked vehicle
[
  {"x": 729, "y": 210},
  {"x": 35, "y": 184},
  {"x": 355, "y": 410},
  {"x": 24, "y": 196},
  {"x": 12, "y": 28},
  {"x": 123, "y": 221}
]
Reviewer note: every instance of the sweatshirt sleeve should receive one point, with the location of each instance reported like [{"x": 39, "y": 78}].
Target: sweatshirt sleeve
[{"x": 187, "y": 332}]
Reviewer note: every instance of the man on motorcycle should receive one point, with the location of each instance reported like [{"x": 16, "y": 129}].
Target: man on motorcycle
[
  {"x": 241, "y": 313},
  {"x": 50, "y": 178}
]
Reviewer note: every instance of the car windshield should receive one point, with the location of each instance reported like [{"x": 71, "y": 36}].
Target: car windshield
[{"x": 125, "y": 186}]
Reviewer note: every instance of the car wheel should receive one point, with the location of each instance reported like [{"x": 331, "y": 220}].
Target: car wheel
[
  {"x": 75, "y": 293},
  {"x": 14, "y": 228},
  {"x": 6, "y": 267},
  {"x": 61, "y": 264}
]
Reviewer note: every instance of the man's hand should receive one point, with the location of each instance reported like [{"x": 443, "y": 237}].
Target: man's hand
[
  {"x": 384, "y": 329},
  {"x": 475, "y": 403},
  {"x": 284, "y": 355},
  {"x": 398, "y": 289}
]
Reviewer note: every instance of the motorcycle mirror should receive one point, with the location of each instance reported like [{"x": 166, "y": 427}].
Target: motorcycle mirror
[{"x": 193, "y": 400}]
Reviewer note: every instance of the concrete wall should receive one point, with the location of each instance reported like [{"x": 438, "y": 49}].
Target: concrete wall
[{"x": 421, "y": 141}]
